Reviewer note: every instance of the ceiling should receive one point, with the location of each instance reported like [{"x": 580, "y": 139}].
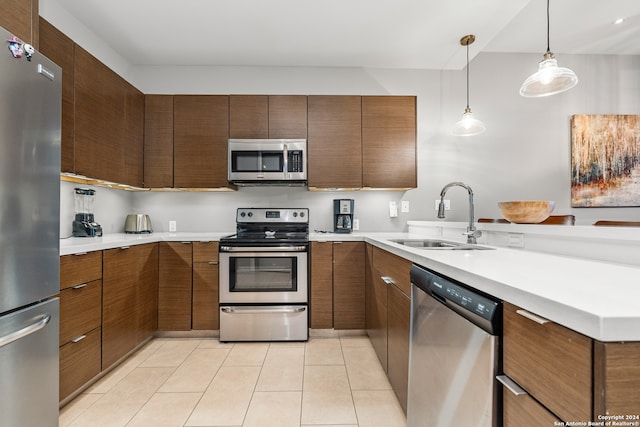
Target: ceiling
[{"x": 414, "y": 34}]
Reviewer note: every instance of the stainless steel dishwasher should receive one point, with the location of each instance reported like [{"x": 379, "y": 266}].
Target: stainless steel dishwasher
[{"x": 453, "y": 354}]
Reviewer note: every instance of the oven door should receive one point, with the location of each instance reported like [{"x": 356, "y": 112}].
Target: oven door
[{"x": 263, "y": 277}]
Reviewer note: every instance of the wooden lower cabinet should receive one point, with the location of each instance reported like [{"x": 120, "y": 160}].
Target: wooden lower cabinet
[
  {"x": 175, "y": 289},
  {"x": 80, "y": 310},
  {"x": 389, "y": 316},
  {"x": 399, "y": 321},
  {"x": 376, "y": 310},
  {"x": 524, "y": 411},
  {"x": 128, "y": 299},
  {"x": 321, "y": 289},
  {"x": 80, "y": 320},
  {"x": 205, "y": 313},
  {"x": 348, "y": 285},
  {"x": 79, "y": 362},
  {"x": 552, "y": 363}
]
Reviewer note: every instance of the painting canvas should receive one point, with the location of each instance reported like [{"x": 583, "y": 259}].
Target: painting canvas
[{"x": 605, "y": 160}]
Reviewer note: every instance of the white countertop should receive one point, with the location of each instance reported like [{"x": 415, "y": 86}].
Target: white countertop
[{"x": 598, "y": 299}]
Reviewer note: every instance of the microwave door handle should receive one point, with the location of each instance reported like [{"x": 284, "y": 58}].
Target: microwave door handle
[{"x": 286, "y": 161}]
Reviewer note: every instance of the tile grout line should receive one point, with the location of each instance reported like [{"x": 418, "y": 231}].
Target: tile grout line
[
  {"x": 160, "y": 386},
  {"x": 353, "y": 401}
]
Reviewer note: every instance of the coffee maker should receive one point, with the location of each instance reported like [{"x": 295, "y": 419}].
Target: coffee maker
[
  {"x": 343, "y": 215},
  {"x": 84, "y": 224}
]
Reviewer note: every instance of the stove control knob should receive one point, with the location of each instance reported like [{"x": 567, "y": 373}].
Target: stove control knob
[
  {"x": 295, "y": 214},
  {"x": 242, "y": 214},
  {"x": 250, "y": 214},
  {"x": 301, "y": 214}
]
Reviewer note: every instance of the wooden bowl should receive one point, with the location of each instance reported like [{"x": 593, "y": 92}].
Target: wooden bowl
[{"x": 526, "y": 211}]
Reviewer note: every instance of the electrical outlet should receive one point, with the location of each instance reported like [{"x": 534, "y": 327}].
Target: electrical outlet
[
  {"x": 172, "y": 226},
  {"x": 447, "y": 204},
  {"x": 356, "y": 224},
  {"x": 405, "y": 206}
]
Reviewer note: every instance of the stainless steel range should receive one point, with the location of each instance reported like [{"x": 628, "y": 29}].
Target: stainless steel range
[{"x": 263, "y": 276}]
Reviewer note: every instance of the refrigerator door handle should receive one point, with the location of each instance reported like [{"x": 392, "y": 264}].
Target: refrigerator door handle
[{"x": 27, "y": 330}]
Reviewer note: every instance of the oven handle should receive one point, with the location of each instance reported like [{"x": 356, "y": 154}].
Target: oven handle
[
  {"x": 254, "y": 310},
  {"x": 264, "y": 249}
]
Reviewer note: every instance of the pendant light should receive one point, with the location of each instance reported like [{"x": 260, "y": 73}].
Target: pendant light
[
  {"x": 549, "y": 79},
  {"x": 468, "y": 126}
]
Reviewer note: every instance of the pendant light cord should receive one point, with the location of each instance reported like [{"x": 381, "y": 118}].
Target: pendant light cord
[
  {"x": 548, "y": 48},
  {"x": 467, "y": 75}
]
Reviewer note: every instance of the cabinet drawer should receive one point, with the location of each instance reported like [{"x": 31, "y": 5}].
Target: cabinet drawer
[
  {"x": 81, "y": 268},
  {"x": 524, "y": 411},
  {"x": 394, "y": 267},
  {"x": 205, "y": 251},
  {"x": 79, "y": 362},
  {"x": 552, "y": 363},
  {"x": 80, "y": 310}
]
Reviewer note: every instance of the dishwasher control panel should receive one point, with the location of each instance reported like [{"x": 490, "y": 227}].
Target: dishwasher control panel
[{"x": 480, "y": 309}]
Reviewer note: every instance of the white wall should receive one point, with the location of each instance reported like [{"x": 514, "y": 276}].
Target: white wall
[{"x": 524, "y": 154}]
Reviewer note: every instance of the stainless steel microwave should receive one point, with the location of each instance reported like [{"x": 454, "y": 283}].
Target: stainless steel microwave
[{"x": 268, "y": 161}]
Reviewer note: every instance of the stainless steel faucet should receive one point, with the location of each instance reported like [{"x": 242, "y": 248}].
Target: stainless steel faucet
[{"x": 471, "y": 232}]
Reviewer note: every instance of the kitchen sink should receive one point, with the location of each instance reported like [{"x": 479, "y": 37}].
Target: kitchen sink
[{"x": 437, "y": 244}]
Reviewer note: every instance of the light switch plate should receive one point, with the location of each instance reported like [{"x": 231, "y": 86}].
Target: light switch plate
[
  {"x": 356, "y": 224},
  {"x": 172, "y": 226},
  {"x": 405, "y": 206},
  {"x": 393, "y": 209}
]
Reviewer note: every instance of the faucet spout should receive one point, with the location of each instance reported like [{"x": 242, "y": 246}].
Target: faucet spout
[{"x": 471, "y": 232}]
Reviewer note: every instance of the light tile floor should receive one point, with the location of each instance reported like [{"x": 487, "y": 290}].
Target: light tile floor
[{"x": 174, "y": 382}]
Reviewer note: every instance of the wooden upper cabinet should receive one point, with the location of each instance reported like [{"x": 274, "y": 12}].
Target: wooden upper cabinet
[
  {"x": 133, "y": 149},
  {"x": 288, "y": 116},
  {"x": 248, "y": 116},
  {"x": 334, "y": 141},
  {"x": 59, "y": 48},
  {"x": 158, "y": 141},
  {"x": 20, "y": 17},
  {"x": 99, "y": 115},
  {"x": 268, "y": 116},
  {"x": 389, "y": 142},
  {"x": 200, "y": 134}
]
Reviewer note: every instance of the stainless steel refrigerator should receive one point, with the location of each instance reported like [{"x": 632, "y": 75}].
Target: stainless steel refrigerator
[{"x": 30, "y": 109}]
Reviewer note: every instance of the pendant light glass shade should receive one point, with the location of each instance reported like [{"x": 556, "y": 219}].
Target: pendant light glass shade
[
  {"x": 468, "y": 125},
  {"x": 549, "y": 79}
]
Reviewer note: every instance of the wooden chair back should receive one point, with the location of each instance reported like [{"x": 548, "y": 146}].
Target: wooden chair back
[
  {"x": 552, "y": 220},
  {"x": 617, "y": 223}
]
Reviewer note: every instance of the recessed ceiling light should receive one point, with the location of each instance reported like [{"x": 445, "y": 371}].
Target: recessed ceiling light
[{"x": 618, "y": 21}]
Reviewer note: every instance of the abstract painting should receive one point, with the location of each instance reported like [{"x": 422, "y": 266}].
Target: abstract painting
[{"x": 605, "y": 160}]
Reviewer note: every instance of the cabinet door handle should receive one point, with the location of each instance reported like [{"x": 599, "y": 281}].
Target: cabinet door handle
[
  {"x": 531, "y": 316},
  {"x": 511, "y": 385},
  {"x": 124, "y": 247},
  {"x": 78, "y": 339},
  {"x": 79, "y": 286},
  {"x": 213, "y": 262},
  {"x": 80, "y": 253},
  {"x": 186, "y": 243},
  {"x": 388, "y": 280}
]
